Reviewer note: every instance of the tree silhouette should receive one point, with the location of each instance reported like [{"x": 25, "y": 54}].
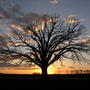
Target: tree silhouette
[{"x": 45, "y": 41}]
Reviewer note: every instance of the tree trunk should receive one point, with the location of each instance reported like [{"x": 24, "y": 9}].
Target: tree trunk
[{"x": 44, "y": 73}]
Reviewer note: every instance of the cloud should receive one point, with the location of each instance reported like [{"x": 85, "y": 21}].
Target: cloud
[
  {"x": 25, "y": 68},
  {"x": 35, "y": 69},
  {"x": 6, "y": 65},
  {"x": 4, "y": 14},
  {"x": 14, "y": 7},
  {"x": 19, "y": 20},
  {"x": 82, "y": 20},
  {"x": 1, "y": 2},
  {"x": 71, "y": 67},
  {"x": 7, "y": 29},
  {"x": 16, "y": 27},
  {"x": 72, "y": 19},
  {"x": 36, "y": 0},
  {"x": 72, "y": 16},
  {"x": 16, "y": 22},
  {"x": 54, "y": 2},
  {"x": 2, "y": 26},
  {"x": 22, "y": 20},
  {"x": 80, "y": 67}
]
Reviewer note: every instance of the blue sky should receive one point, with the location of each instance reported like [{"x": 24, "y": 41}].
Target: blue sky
[
  {"x": 11, "y": 12},
  {"x": 62, "y": 7}
]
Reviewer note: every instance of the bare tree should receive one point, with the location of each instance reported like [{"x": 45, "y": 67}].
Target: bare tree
[{"x": 45, "y": 41}]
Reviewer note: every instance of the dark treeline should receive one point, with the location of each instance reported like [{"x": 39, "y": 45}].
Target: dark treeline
[{"x": 80, "y": 71}]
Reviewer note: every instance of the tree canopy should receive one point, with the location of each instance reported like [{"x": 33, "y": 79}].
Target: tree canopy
[{"x": 45, "y": 41}]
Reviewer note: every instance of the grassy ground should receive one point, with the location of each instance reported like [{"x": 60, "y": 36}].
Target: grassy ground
[
  {"x": 33, "y": 82},
  {"x": 38, "y": 76}
]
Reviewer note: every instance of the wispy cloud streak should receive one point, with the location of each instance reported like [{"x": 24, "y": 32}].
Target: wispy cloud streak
[
  {"x": 71, "y": 19},
  {"x": 54, "y": 2}
]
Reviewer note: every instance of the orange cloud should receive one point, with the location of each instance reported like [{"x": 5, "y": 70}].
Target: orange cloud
[
  {"x": 71, "y": 19},
  {"x": 54, "y": 2},
  {"x": 82, "y": 20},
  {"x": 8, "y": 29},
  {"x": 16, "y": 27},
  {"x": 72, "y": 16},
  {"x": 7, "y": 22},
  {"x": 2, "y": 26}
]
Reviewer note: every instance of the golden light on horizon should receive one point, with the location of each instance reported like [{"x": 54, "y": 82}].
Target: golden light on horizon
[
  {"x": 50, "y": 72},
  {"x": 39, "y": 71}
]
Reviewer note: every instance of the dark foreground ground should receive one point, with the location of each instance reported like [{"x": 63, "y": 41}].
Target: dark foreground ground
[{"x": 33, "y": 82}]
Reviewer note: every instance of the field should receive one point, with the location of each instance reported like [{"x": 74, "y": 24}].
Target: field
[{"x": 34, "y": 82}]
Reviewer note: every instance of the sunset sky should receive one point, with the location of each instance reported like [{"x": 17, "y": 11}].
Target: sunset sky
[{"x": 15, "y": 12}]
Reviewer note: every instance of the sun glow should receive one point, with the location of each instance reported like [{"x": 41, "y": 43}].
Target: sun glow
[
  {"x": 50, "y": 71},
  {"x": 39, "y": 71}
]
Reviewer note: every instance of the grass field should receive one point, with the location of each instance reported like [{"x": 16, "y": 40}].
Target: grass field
[
  {"x": 51, "y": 76},
  {"x": 33, "y": 82}
]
